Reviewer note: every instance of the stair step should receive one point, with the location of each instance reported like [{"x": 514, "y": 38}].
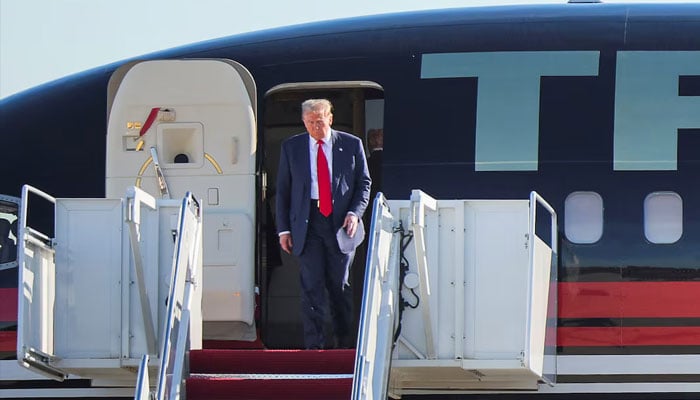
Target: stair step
[
  {"x": 218, "y": 388},
  {"x": 258, "y": 374},
  {"x": 213, "y": 361}
]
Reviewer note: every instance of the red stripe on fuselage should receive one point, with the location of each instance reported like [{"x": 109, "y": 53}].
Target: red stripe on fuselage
[
  {"x": 629, "y": 299},
  {"x": 631, "y": 336},
  {"x": 8, "y": 304},
  {"x": 8, "y": 341}
]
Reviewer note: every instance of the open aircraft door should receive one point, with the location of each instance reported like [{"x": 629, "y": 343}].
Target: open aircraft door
[{"x": 190, "y": 125}]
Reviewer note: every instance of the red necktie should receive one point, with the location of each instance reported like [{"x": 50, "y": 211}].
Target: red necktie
[{"x": 325, "y": 203}]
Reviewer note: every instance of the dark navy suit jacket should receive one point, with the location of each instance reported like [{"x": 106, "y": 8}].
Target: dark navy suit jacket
[{"x": 350, "y": 184}]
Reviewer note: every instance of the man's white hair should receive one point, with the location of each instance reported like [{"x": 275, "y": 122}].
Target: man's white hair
[{"x": 322, "y": 106}]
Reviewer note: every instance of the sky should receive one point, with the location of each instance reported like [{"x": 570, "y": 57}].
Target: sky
[{"x": 43, "y": 40}]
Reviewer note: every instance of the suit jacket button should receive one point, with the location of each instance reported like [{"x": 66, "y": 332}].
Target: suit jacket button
[{"x": 306, "y": 221}]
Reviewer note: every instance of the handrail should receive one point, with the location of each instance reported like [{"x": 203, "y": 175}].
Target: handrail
[
  {"x": 22, "y": 226},
  {"x": 420, "y": 201},
  {"x": 135, "y": 198},
  {"x": 28, "y": 356},
  {"x": 535, "y": 199},
  {"x": 186, "y": 263},
  {"x": 358, "y": 386},
  {"x": 143, "y": 385},
  {"x": 379, "y": 308}
]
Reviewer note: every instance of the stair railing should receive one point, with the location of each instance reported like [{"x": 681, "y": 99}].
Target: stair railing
[
  {"x": 135, "y": 198},
  {"x": 420, "y": 202},
  {"x": 35, "y": 261},
  {"x": 379, "y": 306},
  {"x": 538, "y": 250},
  {"x": 187, "y": 262},
  {"x": 143, "y": 385}
]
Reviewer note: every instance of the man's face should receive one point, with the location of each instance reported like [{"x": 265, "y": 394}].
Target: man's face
[{"x": 318, "y": 124}]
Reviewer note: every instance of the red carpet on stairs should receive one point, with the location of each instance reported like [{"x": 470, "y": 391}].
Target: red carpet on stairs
[
  {"x": 272, "y": 361},
  {"x": 265, "y": 389},
  {"x": 286, "y": 374}
]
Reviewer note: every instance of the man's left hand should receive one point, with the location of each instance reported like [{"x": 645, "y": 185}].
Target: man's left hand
[{"x": 350, "y": 224}]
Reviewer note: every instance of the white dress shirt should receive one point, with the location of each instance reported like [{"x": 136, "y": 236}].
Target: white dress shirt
[{"x": 313, "y": 153}]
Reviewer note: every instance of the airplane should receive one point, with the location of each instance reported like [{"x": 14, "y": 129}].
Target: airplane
[{"x": 592, "y": 106}]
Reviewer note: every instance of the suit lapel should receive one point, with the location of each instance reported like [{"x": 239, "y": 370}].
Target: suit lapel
[
  {"x": 337, "y": 159},
  {"x": 304, "y": 149}
]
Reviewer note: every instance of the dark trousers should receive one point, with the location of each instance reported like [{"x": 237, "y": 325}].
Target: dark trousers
[{"x": 324, "y": 268}]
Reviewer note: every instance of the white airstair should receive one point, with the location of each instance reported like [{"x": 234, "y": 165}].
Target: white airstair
[
  {"x": 460, "y": 296},
  {"x": 118, "y": 282},
  {"x": 110, "y": 286}
]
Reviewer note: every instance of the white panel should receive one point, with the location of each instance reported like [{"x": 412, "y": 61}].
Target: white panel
[
  {"x": 88, "y": 272},
  {"x": 540, "y": 299},
  {"x": 37, "y": 296},
  {"x": 228, "y": 240},
  {"x": 440, "y": 234},
  {"x": 500, "y": 285},
  {"x": 226, "y": 298},
  {"x": 494, "y": 257},
  {"x": 583, "y": 217},
  {"x": 663, "y": 217},
  {"x": 153, "y": 265}
]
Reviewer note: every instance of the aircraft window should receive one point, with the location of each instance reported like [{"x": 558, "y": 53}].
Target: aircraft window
[
  {"x": 583, "y": 217},
  {"x": 663, "y": 217}
]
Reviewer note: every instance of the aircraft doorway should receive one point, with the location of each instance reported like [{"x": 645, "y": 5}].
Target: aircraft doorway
[{"x": 358, "y": 108}]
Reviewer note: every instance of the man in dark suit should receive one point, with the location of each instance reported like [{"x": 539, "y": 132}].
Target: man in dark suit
[{"x": 322, "y": 191}]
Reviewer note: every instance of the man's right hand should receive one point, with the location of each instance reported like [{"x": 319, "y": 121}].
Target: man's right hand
[{"x": 286, "y": 242}]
